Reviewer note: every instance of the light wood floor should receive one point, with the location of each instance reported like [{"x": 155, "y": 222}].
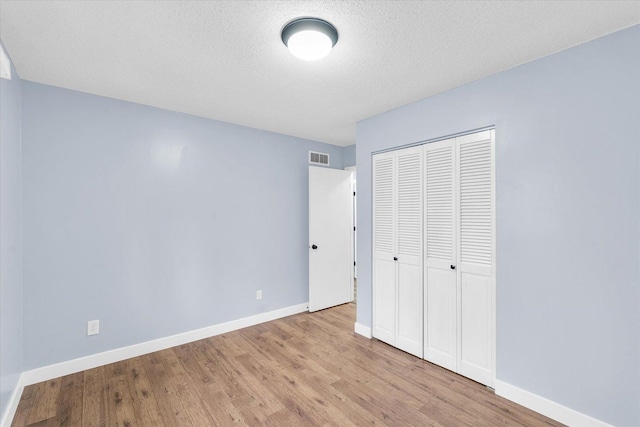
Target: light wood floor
[{"x": 303, "y": 370}]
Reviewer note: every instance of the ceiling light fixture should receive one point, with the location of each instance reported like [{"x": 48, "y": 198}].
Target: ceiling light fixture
[{"x": 309, "y": 38}]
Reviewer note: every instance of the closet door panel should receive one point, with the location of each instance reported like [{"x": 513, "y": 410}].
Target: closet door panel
[
  {"x": 475, "y": 328},
  {"x": 440, "y": 297},
  {"x": 476, "y": 202},
  {"x": 409, "y": 253},
  {"x": 409, "y": 205},
  {"x": 384, "y": 301},
  {"x": 384, "y": 206},
  {"x": 476, "y": 242},
  {"x": 384, "y": 247},
  {"x": 440, "y": 317},
  {"x": 410, "y": 320},
  {"x": 440, "y": 220}
]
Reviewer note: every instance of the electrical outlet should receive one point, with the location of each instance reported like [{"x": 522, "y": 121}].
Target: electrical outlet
[
  {"x": 259, "y": 294},
  {"x": 93, "y": 327}
]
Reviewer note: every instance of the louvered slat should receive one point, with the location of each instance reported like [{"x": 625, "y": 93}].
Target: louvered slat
[
  {"x": 439, "y": 202},
  {"x": 409, "y": 203},
  {"x": 475, "y": 202},
  {"x": 383, "y": 190}
]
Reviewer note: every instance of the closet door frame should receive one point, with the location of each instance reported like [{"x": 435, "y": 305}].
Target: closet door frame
[{"x": 492, "y": 322}]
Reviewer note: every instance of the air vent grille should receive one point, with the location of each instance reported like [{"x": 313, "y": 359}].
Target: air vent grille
[{"x": 318, "y": 158}]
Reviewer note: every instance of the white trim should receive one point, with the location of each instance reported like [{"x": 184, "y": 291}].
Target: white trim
[
  {"x": 494, "y": 262},
  {"x": 352, "y": 264},
  {"x": 363, "y": 330},
  {"x": 546, "y": 407},
  {"x": 93, "y": 361},
  {"x": 10, "y": 411},
  {"x": 5, "y": 64},
  {"x": 429, "y": 141},
  {"x": 354, "y": 245}
]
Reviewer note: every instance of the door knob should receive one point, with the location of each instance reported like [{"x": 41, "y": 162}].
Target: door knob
[
  {"x": 453, "y": 267},
  {"x": 314, "y": 247},
  {"x": 395, "y": 258}
]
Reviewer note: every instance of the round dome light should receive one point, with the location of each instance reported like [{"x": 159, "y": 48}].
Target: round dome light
[{"x": 309, "y": 38}]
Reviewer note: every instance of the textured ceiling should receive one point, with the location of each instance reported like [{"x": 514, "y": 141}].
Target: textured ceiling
[{"x": 224, "y": 59}]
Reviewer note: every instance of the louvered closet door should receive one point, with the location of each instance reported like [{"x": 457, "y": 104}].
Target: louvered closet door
[
  {"x": 440, "y": 291},
  {"x": 384, "y": 247},
  {"x": 409, "y": 250},
  {"x": 476, "y": 255}
]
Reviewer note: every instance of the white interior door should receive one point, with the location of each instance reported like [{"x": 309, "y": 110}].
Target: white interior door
[
  {"x": 330, "y": 226},
  {"x": 440, "y": 296}
]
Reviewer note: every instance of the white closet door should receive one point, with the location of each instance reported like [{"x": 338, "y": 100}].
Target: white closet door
[
  {"x": 476, "y": 255},
  {"x": 384, "y": 247},
  {"x": 409, "y": 250},
  {"x": 440, "y": 296}
]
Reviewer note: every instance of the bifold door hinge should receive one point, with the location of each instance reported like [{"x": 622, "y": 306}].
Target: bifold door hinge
[
  {"x": 354, "y": 229},
  {"x": 354, "y": 193},
  {"x": 354, "y": 263}
]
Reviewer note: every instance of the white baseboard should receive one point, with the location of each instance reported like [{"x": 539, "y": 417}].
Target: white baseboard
[
  {"x": 363, "y": 330},
  {"x": 93, "y": 361},
  {"x": 10, "y": 411},
  {"x": 546, "y": 407}
]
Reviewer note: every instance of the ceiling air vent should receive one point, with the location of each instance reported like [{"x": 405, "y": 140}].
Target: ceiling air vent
[{"x": 318, "y": 158}]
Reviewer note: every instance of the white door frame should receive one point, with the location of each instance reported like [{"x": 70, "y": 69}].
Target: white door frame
[{"x": 352, "y": 169}]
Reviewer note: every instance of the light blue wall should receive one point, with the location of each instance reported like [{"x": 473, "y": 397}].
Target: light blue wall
[
  {"x": 349, "y": 155},
  {"x": 10, "y": 239},
  {"x": 568, "y": 217},
  {"x": 154, "y": 222}
]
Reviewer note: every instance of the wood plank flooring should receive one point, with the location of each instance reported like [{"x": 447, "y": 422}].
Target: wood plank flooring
[{"x": 310, "y": 369}]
